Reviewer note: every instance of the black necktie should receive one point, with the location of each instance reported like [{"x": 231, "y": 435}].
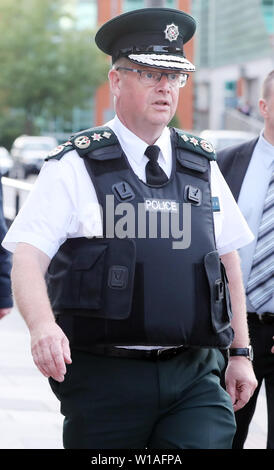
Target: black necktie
[{"x": 154, "y": 173}]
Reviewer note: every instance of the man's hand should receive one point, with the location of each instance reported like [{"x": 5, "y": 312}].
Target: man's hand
[
  {"x": 240, "y": 381},
  {"x": 50, "y": 350},
  {"x": 4, "y": 312}
]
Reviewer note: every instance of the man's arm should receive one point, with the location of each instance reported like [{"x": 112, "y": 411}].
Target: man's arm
[
  {"x": 240, "y": 378},
  {"x": 49, "y": 345}
]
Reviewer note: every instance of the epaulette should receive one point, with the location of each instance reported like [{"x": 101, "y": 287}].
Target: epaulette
[
  {"x": 85, "y": 142},
  {"x": 195, "y": 144}
]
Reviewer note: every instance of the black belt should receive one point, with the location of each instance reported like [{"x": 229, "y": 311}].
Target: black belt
[
  {"x": 265, "y": 318},
  {"x": 150, "y": 354}
]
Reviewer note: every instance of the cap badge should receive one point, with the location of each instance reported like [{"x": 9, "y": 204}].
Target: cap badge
[
  {"x": 206, "y": 146},
  {"x": 82, "y": 142},
  {"x": 171, "y": 32}
]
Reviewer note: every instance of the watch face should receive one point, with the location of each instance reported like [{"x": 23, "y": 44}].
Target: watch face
[{"x": 251, "y": 353}]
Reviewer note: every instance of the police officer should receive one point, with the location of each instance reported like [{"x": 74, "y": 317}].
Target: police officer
[{"x": 130, "y": 325}]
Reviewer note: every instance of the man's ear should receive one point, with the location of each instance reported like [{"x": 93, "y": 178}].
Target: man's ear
[
  {"x": 263, "y": 107},
  {"x": 114, "y": 82}
]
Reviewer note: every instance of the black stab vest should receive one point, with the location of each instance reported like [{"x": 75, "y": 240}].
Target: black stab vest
[{"x": 134, "y": 285}]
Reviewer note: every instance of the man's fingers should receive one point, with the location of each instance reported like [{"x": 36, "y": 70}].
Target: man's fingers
[
  {"x": 50, "y": 350},
  {"x": 58, "y": 363},
  {"x": 231, "y": 390},
  {"x": 242, "y": 399},
  {"x": 37, "y": 362},
  {"x": 66, "y": 350},
  {"x": 243, "y": 395},
  {"x": 48, "y": 357},
  {"x": 239, "y": 404}
]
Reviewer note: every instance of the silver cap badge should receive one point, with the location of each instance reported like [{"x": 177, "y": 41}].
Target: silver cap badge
[{"x": 171, "y": 32}]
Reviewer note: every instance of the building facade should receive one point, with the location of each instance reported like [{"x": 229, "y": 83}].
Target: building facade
[{"x": 234, "y": 50}]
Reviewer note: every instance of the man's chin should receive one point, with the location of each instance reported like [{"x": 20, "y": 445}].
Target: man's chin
[{"x": 161, "y": 119}]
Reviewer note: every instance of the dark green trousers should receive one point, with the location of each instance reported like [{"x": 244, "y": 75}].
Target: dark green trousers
[{"x": 118, "y": 403}]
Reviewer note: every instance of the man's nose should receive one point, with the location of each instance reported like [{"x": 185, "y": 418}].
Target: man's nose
[{"x": 163, "y": 83}]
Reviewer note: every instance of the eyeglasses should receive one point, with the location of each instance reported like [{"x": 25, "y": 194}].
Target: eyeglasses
[{"x": 150, "y": 78}]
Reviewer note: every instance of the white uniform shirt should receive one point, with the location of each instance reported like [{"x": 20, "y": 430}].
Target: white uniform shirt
[{"x": 63, "y": 203}]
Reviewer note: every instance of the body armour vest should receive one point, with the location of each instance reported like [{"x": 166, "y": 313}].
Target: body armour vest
[{"x": 155, "y": 276}]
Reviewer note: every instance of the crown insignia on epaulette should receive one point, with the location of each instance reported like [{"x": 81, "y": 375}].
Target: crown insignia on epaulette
[
  {"x": 195, "y": 144},
  {"x": 204, "y": 144},
  {"x": 88, "y": 138},
  {"x": 84, "y": 142}
]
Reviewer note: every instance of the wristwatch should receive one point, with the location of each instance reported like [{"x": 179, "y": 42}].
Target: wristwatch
[{"x": 246, "y": 352}]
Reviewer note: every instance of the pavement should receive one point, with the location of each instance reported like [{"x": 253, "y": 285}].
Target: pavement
[{"x": 29, "y": 411}]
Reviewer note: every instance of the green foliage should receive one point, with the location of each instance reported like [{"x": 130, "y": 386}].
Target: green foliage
[
  {"x": 175, "y": 122},
  {"x": 45, "y": 70},
  {"x": 12, "y": 124}
]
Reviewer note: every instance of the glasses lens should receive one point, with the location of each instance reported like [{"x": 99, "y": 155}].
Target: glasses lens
[
  {"x": 174, "y": 79},
  {"x": 183, "y": 79},
  {"x": 149, "y": 78}
]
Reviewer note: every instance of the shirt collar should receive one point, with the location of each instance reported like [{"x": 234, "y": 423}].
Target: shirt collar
[
  {"x": 266, "y": 149},
  {"x": 133, "y": 146}
]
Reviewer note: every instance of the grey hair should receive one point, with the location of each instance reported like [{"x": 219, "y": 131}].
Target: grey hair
[{"x": 121, "y": 62}]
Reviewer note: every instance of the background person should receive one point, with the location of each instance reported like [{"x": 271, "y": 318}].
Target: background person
[
  {"x": 248, "y": 169},
  {"x": 143, "y": 322},
  {"x": 5, "y": 266}
]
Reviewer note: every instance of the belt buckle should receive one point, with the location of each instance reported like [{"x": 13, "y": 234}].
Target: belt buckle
[
  {"x": 166, "y": 353},
  {"x": 157, "y": 353}
]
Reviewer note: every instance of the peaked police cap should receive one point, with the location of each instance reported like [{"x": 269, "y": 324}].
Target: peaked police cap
[{"x": 150, "y": 36}]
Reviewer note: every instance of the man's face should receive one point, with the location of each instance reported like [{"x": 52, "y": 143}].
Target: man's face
[{"x": 141, "y": 107}]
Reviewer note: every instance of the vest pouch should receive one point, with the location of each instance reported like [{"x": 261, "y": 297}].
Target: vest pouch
[
  {"x": 75, "y": 277},
  {"x": 93, "y": 278},
  {"x": 219, "y": 293},
  {"x": 89, "y": 270}
]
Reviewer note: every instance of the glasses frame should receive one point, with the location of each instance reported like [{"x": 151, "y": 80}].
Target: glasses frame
[{"x": 160, "y": 76}]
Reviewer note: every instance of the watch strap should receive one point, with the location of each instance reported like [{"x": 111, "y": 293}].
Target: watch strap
[{"x": 246, "y": 352}]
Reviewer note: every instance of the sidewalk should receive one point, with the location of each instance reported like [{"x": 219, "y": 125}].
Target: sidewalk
[{"x": 29, "y": 412}]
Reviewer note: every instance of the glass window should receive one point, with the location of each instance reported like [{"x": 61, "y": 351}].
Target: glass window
[
  {"x": 268, "y": 14},
  {"x": 221, "y": 40}
]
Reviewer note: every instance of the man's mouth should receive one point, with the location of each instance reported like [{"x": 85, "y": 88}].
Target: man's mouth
[{"x": 161, "y": 103}]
